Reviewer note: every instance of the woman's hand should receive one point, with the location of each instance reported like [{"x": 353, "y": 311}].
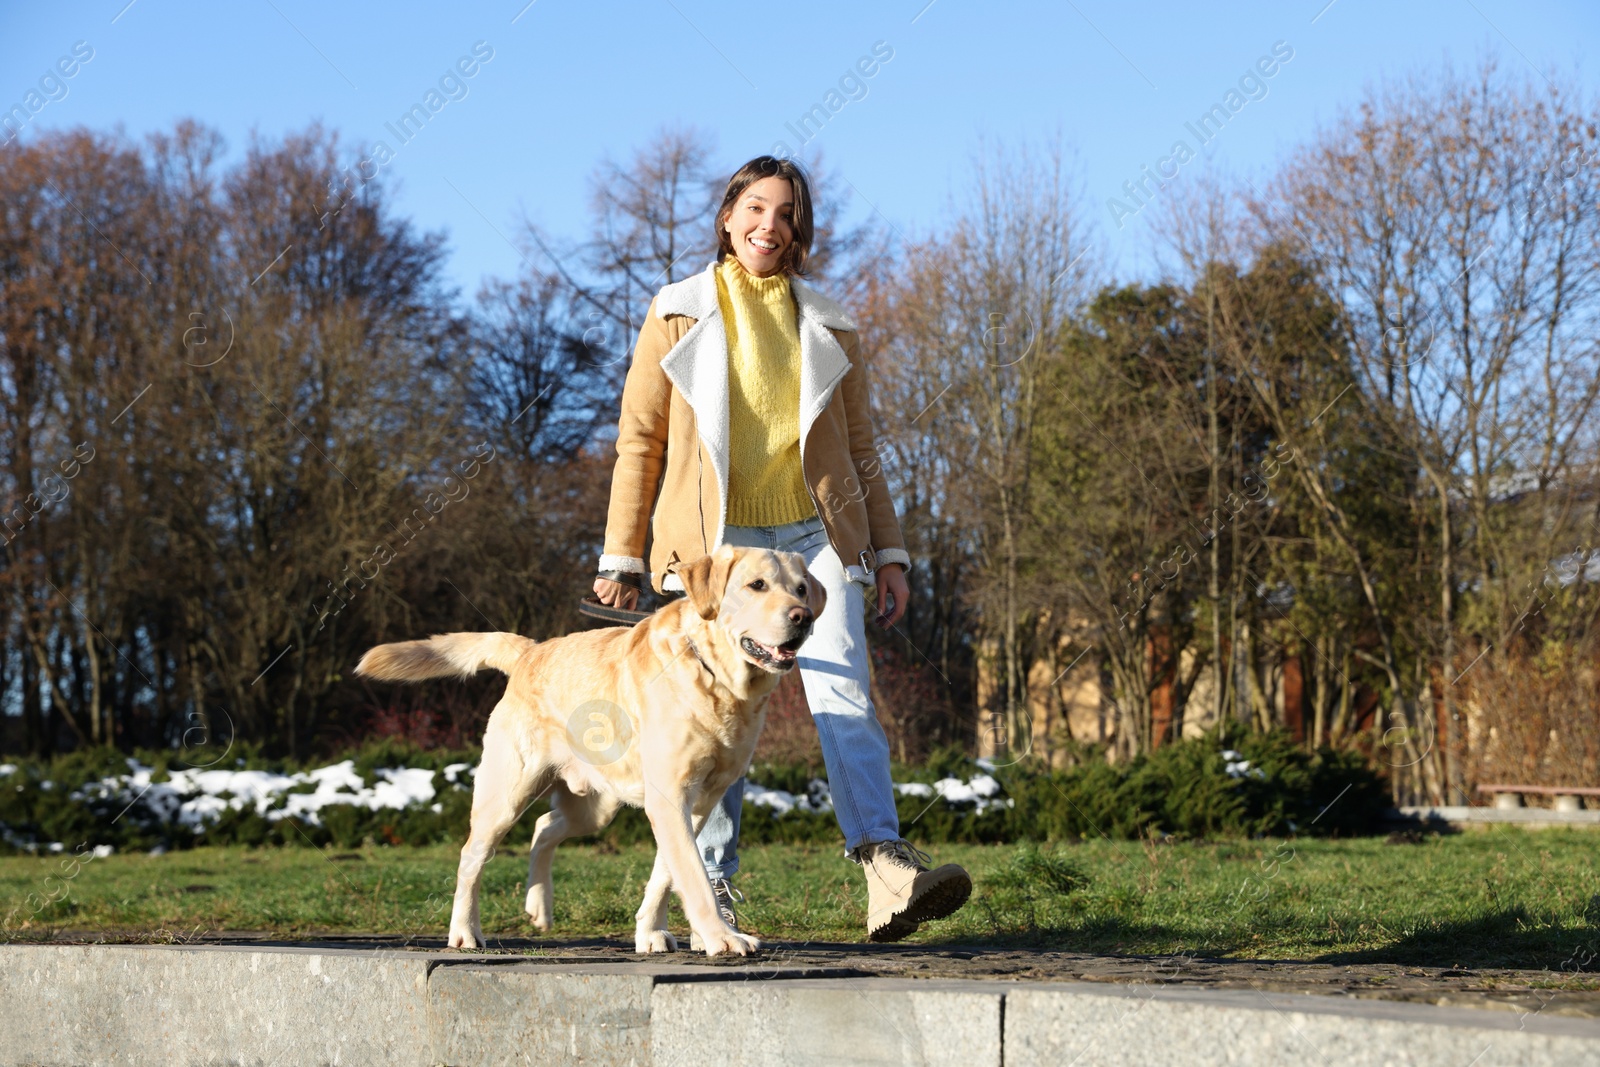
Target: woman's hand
[
  {"x": 893, "y": 594},
  {"x": 616, "y": 595}
]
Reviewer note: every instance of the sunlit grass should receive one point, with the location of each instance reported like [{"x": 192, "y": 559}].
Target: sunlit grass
[{"x": 1507, "y": 897}]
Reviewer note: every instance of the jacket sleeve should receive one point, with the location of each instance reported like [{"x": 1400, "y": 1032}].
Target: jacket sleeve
[
  {"x": 883, "y": 526},
  {"x": 641, "y": 449}
]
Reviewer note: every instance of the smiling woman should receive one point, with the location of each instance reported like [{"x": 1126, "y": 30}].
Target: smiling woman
[
  {"x": 765, "y": 222},
  {"x": 745, "y": 372}
]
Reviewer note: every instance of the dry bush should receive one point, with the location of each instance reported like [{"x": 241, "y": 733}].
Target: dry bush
[
  {"x": 1535, "y": 720},
  {"x": 790, "y": 736},
  {"x": 911, "y": 700}
]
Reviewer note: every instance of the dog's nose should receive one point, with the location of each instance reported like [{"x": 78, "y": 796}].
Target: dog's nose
[{"x": 800, "y": 615}]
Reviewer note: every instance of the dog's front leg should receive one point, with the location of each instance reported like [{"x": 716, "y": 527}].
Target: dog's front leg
[
  {"x": 650, "y": 932},
  {"x": 674, "y": 830}
]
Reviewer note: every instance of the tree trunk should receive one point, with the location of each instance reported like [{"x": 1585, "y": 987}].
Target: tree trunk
[{"x": 1214, "y": 579}]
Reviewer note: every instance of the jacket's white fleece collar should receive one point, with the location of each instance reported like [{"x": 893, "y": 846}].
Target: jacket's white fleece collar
[
  {"x": 696, "y": 297},
  {"x": 697, "y": 366}
]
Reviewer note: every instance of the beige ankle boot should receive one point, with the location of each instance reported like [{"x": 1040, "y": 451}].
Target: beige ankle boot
[{"x": 903, "y": 893}]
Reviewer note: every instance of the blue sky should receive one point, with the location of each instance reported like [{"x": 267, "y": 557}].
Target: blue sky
[{"x": 569, "y": 83}]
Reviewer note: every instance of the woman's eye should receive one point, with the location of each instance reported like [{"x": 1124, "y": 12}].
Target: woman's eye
[{"x": 758, "y": 585}]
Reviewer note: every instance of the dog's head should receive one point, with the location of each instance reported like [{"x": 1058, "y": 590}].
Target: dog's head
[{"x": 766, "y": 601}]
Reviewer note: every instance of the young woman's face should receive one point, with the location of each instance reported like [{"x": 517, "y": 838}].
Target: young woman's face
[{"x": 761, "y": 225}]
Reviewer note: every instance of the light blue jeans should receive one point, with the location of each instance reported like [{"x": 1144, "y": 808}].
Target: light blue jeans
[{"x": 833, "y": 669}]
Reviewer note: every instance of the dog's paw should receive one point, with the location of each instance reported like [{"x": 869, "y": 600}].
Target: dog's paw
[
  {"x": 539, "y": 907},
  {"x": 647, "y": 941},
  {"x": 466, "y": 939},
  {"x": 729, "y": 940}
]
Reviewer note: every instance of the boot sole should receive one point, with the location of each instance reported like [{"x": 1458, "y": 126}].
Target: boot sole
[
  {"x": 896, "y": 929},
  {"x": 940, "y": 900},
  {"x": 936, "y": 902}
]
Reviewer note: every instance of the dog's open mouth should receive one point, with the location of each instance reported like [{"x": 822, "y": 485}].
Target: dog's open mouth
[{"x": 775, "y": 657}]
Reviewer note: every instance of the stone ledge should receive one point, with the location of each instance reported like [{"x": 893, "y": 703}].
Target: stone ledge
[
  {"x": 285, "y": 1004},
  {"x": 74, "y": 1004},
  {"x": 1055, "y": 1024},
  {"x": 788, "y": 1023},
  {"x": 479, "y": 1015},
  {"x": 1463, "y": 817}
]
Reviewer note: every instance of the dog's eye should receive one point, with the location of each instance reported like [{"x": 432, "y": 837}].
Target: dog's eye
[
  {"x": 759, "y": 584},
  {"x": 800, "y": 591}
]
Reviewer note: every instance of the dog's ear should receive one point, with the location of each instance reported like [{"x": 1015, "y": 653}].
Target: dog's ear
[
  {"x": 816, "y": 596},
  {"x": 705, "y": 579}
]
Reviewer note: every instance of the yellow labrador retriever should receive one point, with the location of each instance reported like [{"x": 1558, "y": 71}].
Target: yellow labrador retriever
[{"x": 662, "y": 715}]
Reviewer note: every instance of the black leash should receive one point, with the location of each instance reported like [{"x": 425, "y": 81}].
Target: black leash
[{"x": 594, "y": 609}]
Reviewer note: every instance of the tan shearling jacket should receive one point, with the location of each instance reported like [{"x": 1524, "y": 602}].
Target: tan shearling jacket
[{"x": 672, "y": 438}]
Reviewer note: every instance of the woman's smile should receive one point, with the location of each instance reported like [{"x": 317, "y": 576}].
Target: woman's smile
[{"x": 761, "y": 225}]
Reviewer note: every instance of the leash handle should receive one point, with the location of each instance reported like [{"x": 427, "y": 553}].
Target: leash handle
[{"x": 594, "y": 609}]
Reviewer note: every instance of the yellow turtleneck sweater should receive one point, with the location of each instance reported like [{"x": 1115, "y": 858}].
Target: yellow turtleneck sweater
[{"x": 766, "y": 486}]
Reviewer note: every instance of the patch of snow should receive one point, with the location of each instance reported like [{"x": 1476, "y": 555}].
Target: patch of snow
[
  {"x": 1239, "y": 767},
  {"x": 197, "y": 798},
  {"x": 981, "y": 791},
  {"x": 401, "y": 787},
  {"x": 817, "y": 800}
]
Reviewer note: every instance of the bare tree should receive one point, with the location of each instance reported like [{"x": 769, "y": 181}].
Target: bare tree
[
  {"x": 1464, "y": 259},
  {"x": 984, "y": 307}
]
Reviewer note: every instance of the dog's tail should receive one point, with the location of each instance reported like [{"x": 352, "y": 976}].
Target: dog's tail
[{"x": 442, "y": 656}]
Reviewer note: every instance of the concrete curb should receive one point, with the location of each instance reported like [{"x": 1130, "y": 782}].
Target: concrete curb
[
  {"x": 201, "y": 1005},
  {"x": 105, "y": 1004},
  {"x": 830, "y": 1020},
  {"x": 1465, "y": 818},
  {"x": 1154, "y": 1026}
]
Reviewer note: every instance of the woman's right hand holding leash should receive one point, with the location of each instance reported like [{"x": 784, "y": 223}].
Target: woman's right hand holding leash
[{"x": 615, "y": 594}]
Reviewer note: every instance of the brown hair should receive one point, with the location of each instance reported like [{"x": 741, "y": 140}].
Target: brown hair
[{"x": 771, "y": 167}]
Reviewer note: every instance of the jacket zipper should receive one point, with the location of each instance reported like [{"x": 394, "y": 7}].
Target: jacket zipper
[{"x": 700, "y": 486}]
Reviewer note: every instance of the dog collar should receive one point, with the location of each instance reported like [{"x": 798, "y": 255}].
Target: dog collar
[{"x": 694, "y": 649}]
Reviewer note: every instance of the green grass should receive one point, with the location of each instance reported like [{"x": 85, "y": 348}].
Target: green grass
[{"x": 1502, "y": 898}]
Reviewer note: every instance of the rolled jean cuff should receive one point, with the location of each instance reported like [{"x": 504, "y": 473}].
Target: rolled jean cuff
[
  {"x": 871, "y": 837},
  {"x": 726, "y": 870}
]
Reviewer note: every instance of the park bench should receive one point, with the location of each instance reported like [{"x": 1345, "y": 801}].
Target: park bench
[{"x": 1568, "y": 797}]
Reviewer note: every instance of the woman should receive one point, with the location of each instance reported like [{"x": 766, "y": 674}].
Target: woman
[{"x": 746, "y": 402}]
